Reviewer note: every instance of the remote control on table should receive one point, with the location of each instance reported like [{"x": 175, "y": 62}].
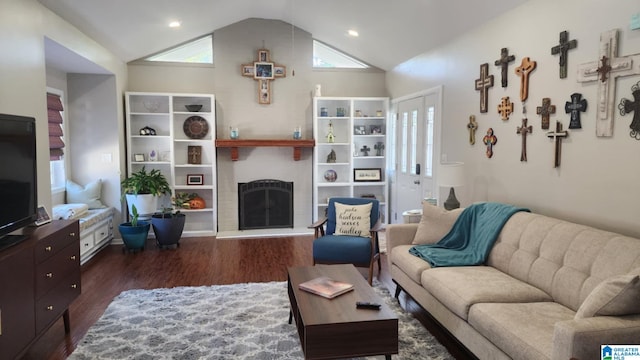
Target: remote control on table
[{"x": 367, "y": 305}]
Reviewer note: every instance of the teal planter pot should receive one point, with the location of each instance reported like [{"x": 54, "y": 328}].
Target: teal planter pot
[{"x": 134, "y": 237}]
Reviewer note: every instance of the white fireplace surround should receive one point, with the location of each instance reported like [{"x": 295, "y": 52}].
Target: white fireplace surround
[{"x": 263, "y": 163}]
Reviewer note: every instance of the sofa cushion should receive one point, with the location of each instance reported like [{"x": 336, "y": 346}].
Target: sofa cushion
[
  {"x": 521, "y": 330},
  {"x": 461, "y": 287},
  {"x": 353, "y": 220},
  {"x": 619, "y": 295},
  {"x": 411, "y": 265},
  {"x": 434, "y": 224}
]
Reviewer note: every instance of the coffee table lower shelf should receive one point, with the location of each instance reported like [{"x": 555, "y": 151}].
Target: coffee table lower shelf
[{"x": 334, "y": 328}]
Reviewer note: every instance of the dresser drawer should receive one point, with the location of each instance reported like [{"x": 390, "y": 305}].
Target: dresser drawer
[
  {"x": 55, "y": 302},
  {"x": 52, "y": 271},
  {"x": 48, "y": 246}
]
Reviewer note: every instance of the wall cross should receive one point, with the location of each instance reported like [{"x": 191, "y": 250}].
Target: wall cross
[
  {"x": 575, "y": 107},
  {"x": 605, "y": 71},
  {"x": 627, "y": 106},
  {"x": 503, "y": 62},
  {"x": 505, "y": 108},
  {"x": 523, "y": 71},
  {"x": 264, "y": 71},
  {"x": 563, "y": 49},
  {"x": 523, "y": 131},
  {"x": 472, "y": 126},
  {"x": 489, "y": 140},
  {"x": 558, "y": 135},
  {"x": 483, "y": 84},
  {"x": 545, "y": 110}
]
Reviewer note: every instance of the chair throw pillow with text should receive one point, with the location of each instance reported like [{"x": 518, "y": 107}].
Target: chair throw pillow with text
[{"x": 353, "y": 220}]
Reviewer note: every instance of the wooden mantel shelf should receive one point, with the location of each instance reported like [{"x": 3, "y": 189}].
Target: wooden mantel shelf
[{"x": 297, "y": 145}]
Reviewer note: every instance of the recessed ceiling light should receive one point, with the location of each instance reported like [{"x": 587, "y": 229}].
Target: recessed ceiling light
[
  {"x": 353, "y": 33},
  {"x": 175, "y": 24}
]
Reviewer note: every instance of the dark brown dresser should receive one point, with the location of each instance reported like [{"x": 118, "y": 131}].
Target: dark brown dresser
[{"x": 39, "y": 278}]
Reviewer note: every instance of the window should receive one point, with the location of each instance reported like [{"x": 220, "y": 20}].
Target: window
[
  {"x": 55, "y": 115},
  {"x": 199, "y": 51},
  {"x": 325, "y": 56},
  {"x": 431, "y": 115}
]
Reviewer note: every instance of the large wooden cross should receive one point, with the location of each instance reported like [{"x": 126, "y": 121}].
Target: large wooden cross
[
  {"x": 523, "y": 71},
  {"x": 563, "y": 49},
  {"x": 606, "y": 70},
  {"x": 472, "y": 126},
  {"x": 264, "y": 71},
  {"x": 557, "y": 135},
  {"x": 627, "y": 106},
  {"x": 483, "y": 84},
  {"x": 505, "y": 108},
  {"x": 523, "y": 131},
  {"x": 545, "y": 110},
  {"x": 575, "y": 107},
  {"x": 503, "y": 62}
]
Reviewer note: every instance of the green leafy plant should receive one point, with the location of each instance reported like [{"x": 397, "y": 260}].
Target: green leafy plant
[
  {"x": 181, "y": 200},
  {"x": 134, "y": 215},
  {"x": 143, "y": 182}
]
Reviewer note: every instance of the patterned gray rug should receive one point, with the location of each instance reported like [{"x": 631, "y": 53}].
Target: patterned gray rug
[{"x": 241, "y": 321}]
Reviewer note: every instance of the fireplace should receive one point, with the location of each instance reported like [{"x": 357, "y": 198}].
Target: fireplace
[{"x": 265, "y": 204}]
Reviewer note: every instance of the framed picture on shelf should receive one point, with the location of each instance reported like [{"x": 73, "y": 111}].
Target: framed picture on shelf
[
  {"x": 375, "y": 130},
  {"x": 195, "y": 179},
  {"x": 194, "y": 153},
  {"x": 360, "y": 130},
  {"x": 367, "y": 174},
  {"x": 138, "y": 157}
]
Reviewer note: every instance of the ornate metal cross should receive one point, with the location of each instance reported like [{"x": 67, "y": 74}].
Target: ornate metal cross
[
  {"x": 545, "y": 110},
  {"x": 472, "y": 126},
  {"x": 365, "y": 150},
  {"x": 523, "y": 131},
  {"x": 489, "y": 140},
  {"x": 563, "y": 49},
  {"x": 483, "y": 84},
  {"x": 575, "y": 107},
  {"x": 503, "y": 62},
  {"x": 505, "y": 108},
  {"x": 606, "y": 70},
  {"x": 523, "y": 71},
  {"x": 628, "y": 106},
  {"x": 558, "y": 135},
  {"x": 264, "y": 71}
]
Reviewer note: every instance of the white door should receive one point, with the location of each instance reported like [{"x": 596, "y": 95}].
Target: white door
[{"x": 414, "y": 153}]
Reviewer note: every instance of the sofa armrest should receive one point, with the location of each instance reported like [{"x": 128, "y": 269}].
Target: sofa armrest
[
  {"x": 581, "y": 339},
  {"x": 400, "y": 234}
]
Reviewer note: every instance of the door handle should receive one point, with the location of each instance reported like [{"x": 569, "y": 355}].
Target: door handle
[
  {"x": 417, "y": 182},
  {"x": 417, "y": 169}
]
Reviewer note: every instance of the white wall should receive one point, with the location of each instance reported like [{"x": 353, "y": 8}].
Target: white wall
[
  {"x": 23, "y": 27},
  {"x": 236, "y": 104},
  {"x": 598, "y": 178}
]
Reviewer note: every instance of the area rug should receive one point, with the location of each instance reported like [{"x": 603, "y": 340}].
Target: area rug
[{"x": 241, "y": 321}]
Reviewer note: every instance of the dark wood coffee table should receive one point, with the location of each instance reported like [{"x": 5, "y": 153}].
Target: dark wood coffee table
[{"x": 335, "y": 328}]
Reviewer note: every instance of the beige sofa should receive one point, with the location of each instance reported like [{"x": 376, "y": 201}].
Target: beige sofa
[{"x": 550, "y": 289}]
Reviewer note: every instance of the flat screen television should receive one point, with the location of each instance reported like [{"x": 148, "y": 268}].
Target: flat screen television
[{"x": 18, "y": 180}]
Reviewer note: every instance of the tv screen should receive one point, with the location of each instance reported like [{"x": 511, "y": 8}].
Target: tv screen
[{"x": 17, "y": 174}]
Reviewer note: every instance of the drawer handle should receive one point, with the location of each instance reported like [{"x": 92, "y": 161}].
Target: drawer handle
[
  {"x": 73, "y": 257},
  {"x": 48, "y": 248},
  {"x": 50, "y": 307},
  {"x": 74, "y": 286},
  {"x": 72, "y": 234},
  {"x": 49, "y": 275}
]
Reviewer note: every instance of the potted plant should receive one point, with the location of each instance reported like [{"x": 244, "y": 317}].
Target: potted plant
[
  {"x": 143, "y": 188},
  {"x": 134, "y": 233}
]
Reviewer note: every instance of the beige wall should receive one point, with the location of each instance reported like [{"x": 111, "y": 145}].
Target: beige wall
[
  {"x": 23, "y": 27},
  {"x": 598, "y": 179},
  {"x": 236, "y": 102}
]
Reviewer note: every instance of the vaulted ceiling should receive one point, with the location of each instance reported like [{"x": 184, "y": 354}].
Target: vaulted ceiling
[{"x": 390, "y": 31}]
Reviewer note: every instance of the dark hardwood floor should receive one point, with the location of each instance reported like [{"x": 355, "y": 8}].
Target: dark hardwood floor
[{"x": 198, "y": 261}]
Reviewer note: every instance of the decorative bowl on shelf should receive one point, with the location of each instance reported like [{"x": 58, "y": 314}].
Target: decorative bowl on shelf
[{"x": 193, "y": 108}]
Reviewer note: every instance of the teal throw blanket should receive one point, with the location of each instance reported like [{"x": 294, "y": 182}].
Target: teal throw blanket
[{"x": 471, "y": 238}]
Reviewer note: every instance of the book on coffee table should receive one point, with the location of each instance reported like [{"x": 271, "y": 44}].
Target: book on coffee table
[{"x": 326, "y": 287}]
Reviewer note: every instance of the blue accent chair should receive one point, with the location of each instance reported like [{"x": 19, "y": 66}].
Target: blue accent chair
[{"x": 342, "y": 249}]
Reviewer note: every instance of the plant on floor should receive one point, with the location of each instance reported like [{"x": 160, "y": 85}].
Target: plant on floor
[
  {"x": 134, "y": 233},
  {"x": 143, "y": 188}
]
